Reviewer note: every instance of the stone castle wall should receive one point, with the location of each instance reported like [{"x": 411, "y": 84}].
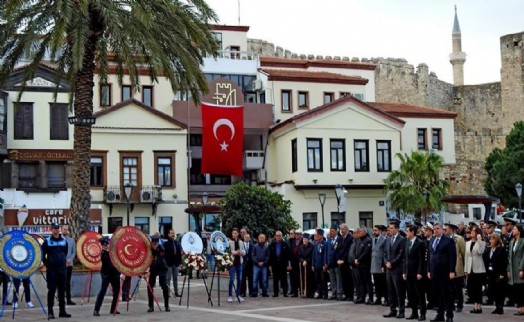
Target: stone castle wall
[{"x": 486, "y": 112}]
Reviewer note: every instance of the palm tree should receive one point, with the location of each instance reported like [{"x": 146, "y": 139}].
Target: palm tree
[
  {"x": 168, "y": 37},
  {"x": 416, "y": 187}
]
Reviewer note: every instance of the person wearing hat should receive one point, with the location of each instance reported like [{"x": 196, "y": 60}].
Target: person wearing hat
[
  {"x": 506, "y": 238},
  {"x": 294, "y": 274},
  {"x": 305, "y": 256},
  {"x": 158, "y": 268},
  {"x": 319, "y": 264},
  {"x": 458, "y": 281},
  {"x": 110, "y": 276},
  {"x": 54, "y": 256},
  {"x": 377, "y": 254}
]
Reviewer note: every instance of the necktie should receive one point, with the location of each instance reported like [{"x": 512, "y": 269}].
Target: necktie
[
  {"x": 247, "y": 248},
  {"x": 393, "y": 241},
  {"x": 435, "y": 243},
  {"x": 410, "y": 245}
]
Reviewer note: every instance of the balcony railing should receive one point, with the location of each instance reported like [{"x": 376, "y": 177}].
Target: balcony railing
[{"x": 236, "y": 55}]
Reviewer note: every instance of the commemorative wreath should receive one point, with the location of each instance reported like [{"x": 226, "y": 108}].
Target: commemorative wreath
[
  {"x": 193, "y": 262},
  {"x": 223, "y": 261}
]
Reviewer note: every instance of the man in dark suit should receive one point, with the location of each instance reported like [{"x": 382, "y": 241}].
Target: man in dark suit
[
  {"x": 173, "y": 256},
  {"x": 414, "y": 273},
  {"x": 394, "y": 259},
  {"x": 247, "y": 267},
  {"x": 279, "y": 263},
  {"x": 294, "y": 274},
  {"x": 361, "y": 266},
  {"x": 342, "y": 253},
  {"x": 442, "y": 258}
]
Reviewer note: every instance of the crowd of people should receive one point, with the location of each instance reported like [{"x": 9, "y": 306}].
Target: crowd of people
[{"x": 421, "y": 267}]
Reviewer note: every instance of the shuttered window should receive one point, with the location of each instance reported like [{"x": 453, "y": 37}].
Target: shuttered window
[
  {"x": 59, "y": 123},
  {"x": 23, "y": 121}
]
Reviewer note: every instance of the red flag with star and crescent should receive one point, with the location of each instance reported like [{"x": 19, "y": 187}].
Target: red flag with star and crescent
[{"x": 222, "y": 139}]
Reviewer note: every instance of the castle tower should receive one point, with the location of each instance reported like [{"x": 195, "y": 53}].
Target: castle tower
[
  {"x": 457, "y": 58},
  {"x": 512, "y": 79}
]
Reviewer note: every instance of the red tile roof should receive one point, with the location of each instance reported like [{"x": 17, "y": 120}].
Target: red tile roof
[
  {"x": 406, "y": 110},
  {"x": 303, "y": 63},
  {"x": 312, "y": 77}
]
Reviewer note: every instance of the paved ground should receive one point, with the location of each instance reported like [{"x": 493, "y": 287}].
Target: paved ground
[{"x": 253, "y": 309}]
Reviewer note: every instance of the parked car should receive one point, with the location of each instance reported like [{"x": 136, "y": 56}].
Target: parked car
[{"x": 513, "y": 214}]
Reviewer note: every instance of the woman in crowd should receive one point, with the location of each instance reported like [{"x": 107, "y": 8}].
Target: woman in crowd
[
  {"x": 474, "y": 268},
  {"x": 496, "y": 263},
  {"x": 516, "y": 268},
  {"x": 237, "y": 249}
]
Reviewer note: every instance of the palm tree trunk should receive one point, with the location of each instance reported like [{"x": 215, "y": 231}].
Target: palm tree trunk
[{"x": 83, "y": 108}]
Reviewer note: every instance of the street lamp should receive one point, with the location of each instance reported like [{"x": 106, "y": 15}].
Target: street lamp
[
  {"x": 128, "y": 189},
  {"x": 205, "y": 197},
  {"x": 518, "y": 188},
  {"x": 322, "y": 199},
  {"x": 426, "y": 195}
]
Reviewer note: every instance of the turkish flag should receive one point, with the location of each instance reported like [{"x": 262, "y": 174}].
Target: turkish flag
[{"x": 222, "y": 139}]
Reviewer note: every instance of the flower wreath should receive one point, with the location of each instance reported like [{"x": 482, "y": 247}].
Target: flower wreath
[
  {"x": 193, "y": 261},
  {"x": 223, "y": 261}
]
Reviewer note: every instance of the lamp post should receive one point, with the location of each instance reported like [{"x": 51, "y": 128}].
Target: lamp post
[
  {"x": 322, "y": 199},
  {"x": 426, "y": 195},
  {"x": 128, "y": 189},
  {"x": 518, "y": 188}
]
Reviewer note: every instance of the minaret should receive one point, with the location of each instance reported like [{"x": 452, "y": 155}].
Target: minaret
[{"x": 457, "y": 58}]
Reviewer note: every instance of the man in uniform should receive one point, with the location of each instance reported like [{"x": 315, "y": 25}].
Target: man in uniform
[
  {"x": 71, "y": 253},
  {"x": 110, "y": 275},
  {"x": 54, "y": 255},
  {"x": 158, "y": 268}
]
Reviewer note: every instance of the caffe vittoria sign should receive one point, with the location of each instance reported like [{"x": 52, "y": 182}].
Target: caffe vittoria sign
[{"x": 44, "y": 217}]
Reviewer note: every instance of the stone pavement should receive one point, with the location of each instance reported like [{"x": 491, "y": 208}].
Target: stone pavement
[{"x": 252, "y": 309}]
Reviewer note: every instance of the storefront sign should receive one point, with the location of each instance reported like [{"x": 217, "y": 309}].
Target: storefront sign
[
  {"x": 44, "y": 217},
  {"x": 44, "y": 155}
]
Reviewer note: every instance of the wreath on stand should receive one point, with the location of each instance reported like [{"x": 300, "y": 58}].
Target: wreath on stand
[
  {"x": 223, "y": 261},
  {"x": 193, "y": 262}
]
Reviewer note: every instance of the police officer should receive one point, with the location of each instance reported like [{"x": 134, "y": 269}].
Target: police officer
[
  {"x": 54, "y": 253},
  {"x": 158, "y": 268},
  {"x": 110, "y": 275}
]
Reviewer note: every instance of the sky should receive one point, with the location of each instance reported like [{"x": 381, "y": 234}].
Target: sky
[{"x": 416, "y": 30}]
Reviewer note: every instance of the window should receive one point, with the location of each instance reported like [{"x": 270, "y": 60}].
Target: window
[
  {"x": 23, "y": 121},
  {"x": 56, "y": 175},
  {"x": 344, "y": 94},
  {"x": 303, "y": 100},
  {"x": 126, "y": 92},
  {"x": 436, "y": 139},
  {"x": 338, "y": 155},
  {"x": 195, "y": 175},
  {"x": 59, "y": 121},
  {"x": 286, "y": 100},
  {"x": 142, "y": 223},
  {"x": 314, "y": 155},
  {"x": 365, "y": 218},
  {"x": 338, "y": 218},
  {"x": 360, "y": 97},
  {"x": 309, "y": 220},
  {"x": 195, "y": 139},
  {"x": 164, "y": 170},
  {"x": 113, "y": 223},
  {"x": 421, "y": 139},
  {"x": 235, "y": 52},
  {"x": 328, "y": 97},
  {"x": 477, "y": 213},
  {"x": 218, "y": 39},
  {"x": 97, "y": 171},
  {"x": 28, "y": 175},
  {"x": 294, "y": 156},
  {"x": 383, "y": 156},
  {"x": 105, "y": 94},
  {"x": 131, "y": 169},
  {"x": 147, "y": 95},
  {"x": 165, "y": 224},
  {"x": 361, "y": 155},
  {"x": 220, "y": 179}
]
